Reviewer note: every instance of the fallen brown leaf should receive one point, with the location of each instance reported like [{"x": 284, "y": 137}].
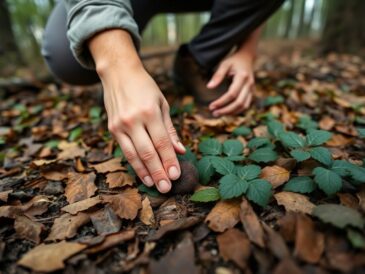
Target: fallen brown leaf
[
  {"x": 119, "y": 179},
  {"x": 106, "y": 221},
  {"x": 112, "y": 240},
  {"x": 66, "y": 226},
  {"x": 251, "y": 224},
  {"x": 125, "y": 204},
  {"x": 309, "y": 243},
  {"x": 294, "y": 202},
  {"x": 80, "y": 186},
  {"x": 224, "y": 215},
  {"x": 50, "y": 257},
  {"x": 276, "y": 175},
  {"x": 82, "y": 205},
  {"x": 4, "y": 195},
  {"x": 70, "y": 151},
  {"x": 287, "y": 266},
  {"x": 234, "y": 246},
  {"x": 146, "y": 214},
  {"x": 276, "y": 243},
  {"x": 111, "y": 165},
  {"x": 27, "y": 229}
]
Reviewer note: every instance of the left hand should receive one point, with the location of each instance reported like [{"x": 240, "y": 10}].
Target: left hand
[{"x": 239, "y": 95}]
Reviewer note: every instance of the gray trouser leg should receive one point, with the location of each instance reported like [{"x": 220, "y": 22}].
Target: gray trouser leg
[{"x": 230, "y": 24}]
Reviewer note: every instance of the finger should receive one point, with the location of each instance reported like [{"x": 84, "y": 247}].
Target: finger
[
  {"x": 230, "y": 95},
  {"x": 131, "y": 155},
  {"x": 179, "y": 147},
  {"x": 237, "y": 106},
  {"x": 150, "y": 158},
  {"x": 246, "y": 104},
  {"x": 218, "y": 76}
]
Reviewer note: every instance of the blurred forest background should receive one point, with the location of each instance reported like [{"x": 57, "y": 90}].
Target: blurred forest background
[{"x": 334, "y": 25}]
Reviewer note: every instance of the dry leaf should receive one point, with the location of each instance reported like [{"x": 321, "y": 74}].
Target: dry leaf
[
  {"x": 109, "y": 166},
  {"x": 309, "y": 243},
  {"x": 348, "y": 200},
  {"x": 294, "y": 202},
  {"x": 276, "y": 175},
  {"x": 125, "y": 204},
  {"x": 66, "y": 226},
  {"x": 224, "y": 215},
  {"x": 251, "y": 224},
  {"x": 106, "y": 221},
  {"x": 234, "y": 246},
  {"x": 27, "y": 229},
  {"x": 287, "y": 226},
  {"x": 82, "y": 205},
  {"x": 327, "y": 123},
  {"x": 338, "y": 140},
  {"x": 54, "y": 175},
  {"x": 146, "y": 215},
  {"x": 50, "y": 257},
  {"x": 80, "y": 186},
  {"x": 287, "y": 266},
  {"x": 112, "y": 240},
  {"x": 119, "y": 179},
  {"x": 275, "y": 243},
  {"x": 70, "y": 151},
  {"x": 4, "y": 195}
]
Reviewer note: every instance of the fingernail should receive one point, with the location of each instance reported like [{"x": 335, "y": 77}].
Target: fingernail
[
  {"x": 212, "y": 107},
  {"x": 174, "y": 173},
  {"x": 181, "y": 146},
  {"x": 163, "y": 186},
  {"x": 215, "y": 114},
  {"x": 148, "y": 181},
  {"x": 211, "y": 83}
]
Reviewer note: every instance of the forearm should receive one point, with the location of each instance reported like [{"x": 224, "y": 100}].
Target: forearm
[
  {"x": 249, "y": 47},
  {"x": 113, "y": 52}
]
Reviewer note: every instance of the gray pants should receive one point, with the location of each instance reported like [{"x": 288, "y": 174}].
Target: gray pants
[{"x": 231, "y": 22}]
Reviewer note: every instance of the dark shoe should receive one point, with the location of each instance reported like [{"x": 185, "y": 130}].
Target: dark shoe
[{"x": 189, "y": 76}]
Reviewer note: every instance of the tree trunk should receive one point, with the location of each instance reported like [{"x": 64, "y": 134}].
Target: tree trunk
[
  {"x": 344, "y": 29},
  {"x": 9, "y": 51}
]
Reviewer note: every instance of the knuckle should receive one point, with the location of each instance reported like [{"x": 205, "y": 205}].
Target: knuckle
[
  {"x": 129, "y": 155},
  {"x": 148, "y": 111},
  {"x": 126, "y": 121},
  {"x": 162, "y": 143},
  {"x": 231, "y": 96},
  {"x": 147, "y": 155},
  {"x": 112, "y": 127},
  {"x": 243, "y": 74},
  {"x": 158, "y": 174},
  {"x": 171, "y": 130}
]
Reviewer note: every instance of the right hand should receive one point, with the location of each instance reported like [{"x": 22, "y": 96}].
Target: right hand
[
  {"x": 139, "y": 119},
  {"x": 138, "y": 113}
]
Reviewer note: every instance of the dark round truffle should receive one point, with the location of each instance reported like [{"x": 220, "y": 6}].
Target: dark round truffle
[{"x": 188, "y": 181}]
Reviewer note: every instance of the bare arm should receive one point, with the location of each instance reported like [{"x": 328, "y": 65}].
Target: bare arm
[{"x": 138, "y": 113}]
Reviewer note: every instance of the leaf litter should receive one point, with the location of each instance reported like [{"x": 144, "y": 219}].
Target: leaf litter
[{"x": 281, "y": 187}]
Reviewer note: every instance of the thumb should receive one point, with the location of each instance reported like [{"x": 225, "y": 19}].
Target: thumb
[{"x": 218, "y": 76}]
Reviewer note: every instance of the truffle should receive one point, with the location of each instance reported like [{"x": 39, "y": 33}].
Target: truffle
[{"x": 188, "y": 180}]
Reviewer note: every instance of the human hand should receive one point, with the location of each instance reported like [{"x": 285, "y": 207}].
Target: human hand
[{"x": 238, "y": 97}]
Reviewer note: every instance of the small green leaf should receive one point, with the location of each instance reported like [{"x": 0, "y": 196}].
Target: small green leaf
[
  {"x": 259, "y": 191},
  {"x": 302, "y": 184},
  {"x": 242, "y": 131},
  {"x": 356, "y": 172},
  {"x": 361, "y": 132},
  {"x": 205, "y": 169},
  {"x": 273, "y": 100},
  {"x": 275, "y": 128},
  {"x": 206, "y": 195},
  {"x": 306, "y": 123},
  {"x": 210, "y": 147},
  {"x": 292, "y": 140},
  {"x": 327, "y": 180},
  {"x": 356, "y": 239},
  {"x": 232, "y": 147},
  {"x": 339, "y": 216},
  {"x": 222, "y": 165},
  {"x": 248, "y": 172},
  {"x": 236, "y": 158},
  {"x": 118, "y": 152},
  {"x": 300, "y": 155},
  {"x": 150, "y": 191},
  {"x": 258, "y": 142},
  {"x": 75, "y": 134},
  {"x": 95, "y": 113},
  {"x": 263, "y": 155},
  {"x": 341, "y": 167},
  {"x": 322, "y": 155},
  {"x": 52, "y": 144},
  {"x": 231, "y": 186},
  {"x": 317, "y": 137}
]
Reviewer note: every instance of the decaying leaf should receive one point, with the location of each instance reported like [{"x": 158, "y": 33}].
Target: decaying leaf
[
  {"x": 50, "y": 257},
  {"x": 234, "y": 246},
  {"x": 119, "y": 179},
  {"x": 276, "y": 175},
  {"x": 27, "y": 229},
  {"x": 294, "y": 202},
  {"x": 106, "y": 221},
  {"x": 4, "y": 195},
  {"x": 112, "y": 240},
  {"x": 80, "y": 186},
  {"x": 82, "y": 205},
  {"x": 146, "y": 215},
  {"x": 66, "y": 226},
  {"x": 251, "y": 224},
  {"x": 125, "y": 204},
  {"x": 70, "y": 151},
  {"x": 109, "y": 166},
  {"x": 224, "y": 215}
]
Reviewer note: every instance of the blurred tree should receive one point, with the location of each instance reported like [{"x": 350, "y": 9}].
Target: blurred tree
[
  {"x": 9, "y": 52},
  {"x": 344, "y": 29}
]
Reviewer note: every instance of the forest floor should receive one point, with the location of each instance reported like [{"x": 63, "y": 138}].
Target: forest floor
[{"x": 282, "y": 185}]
